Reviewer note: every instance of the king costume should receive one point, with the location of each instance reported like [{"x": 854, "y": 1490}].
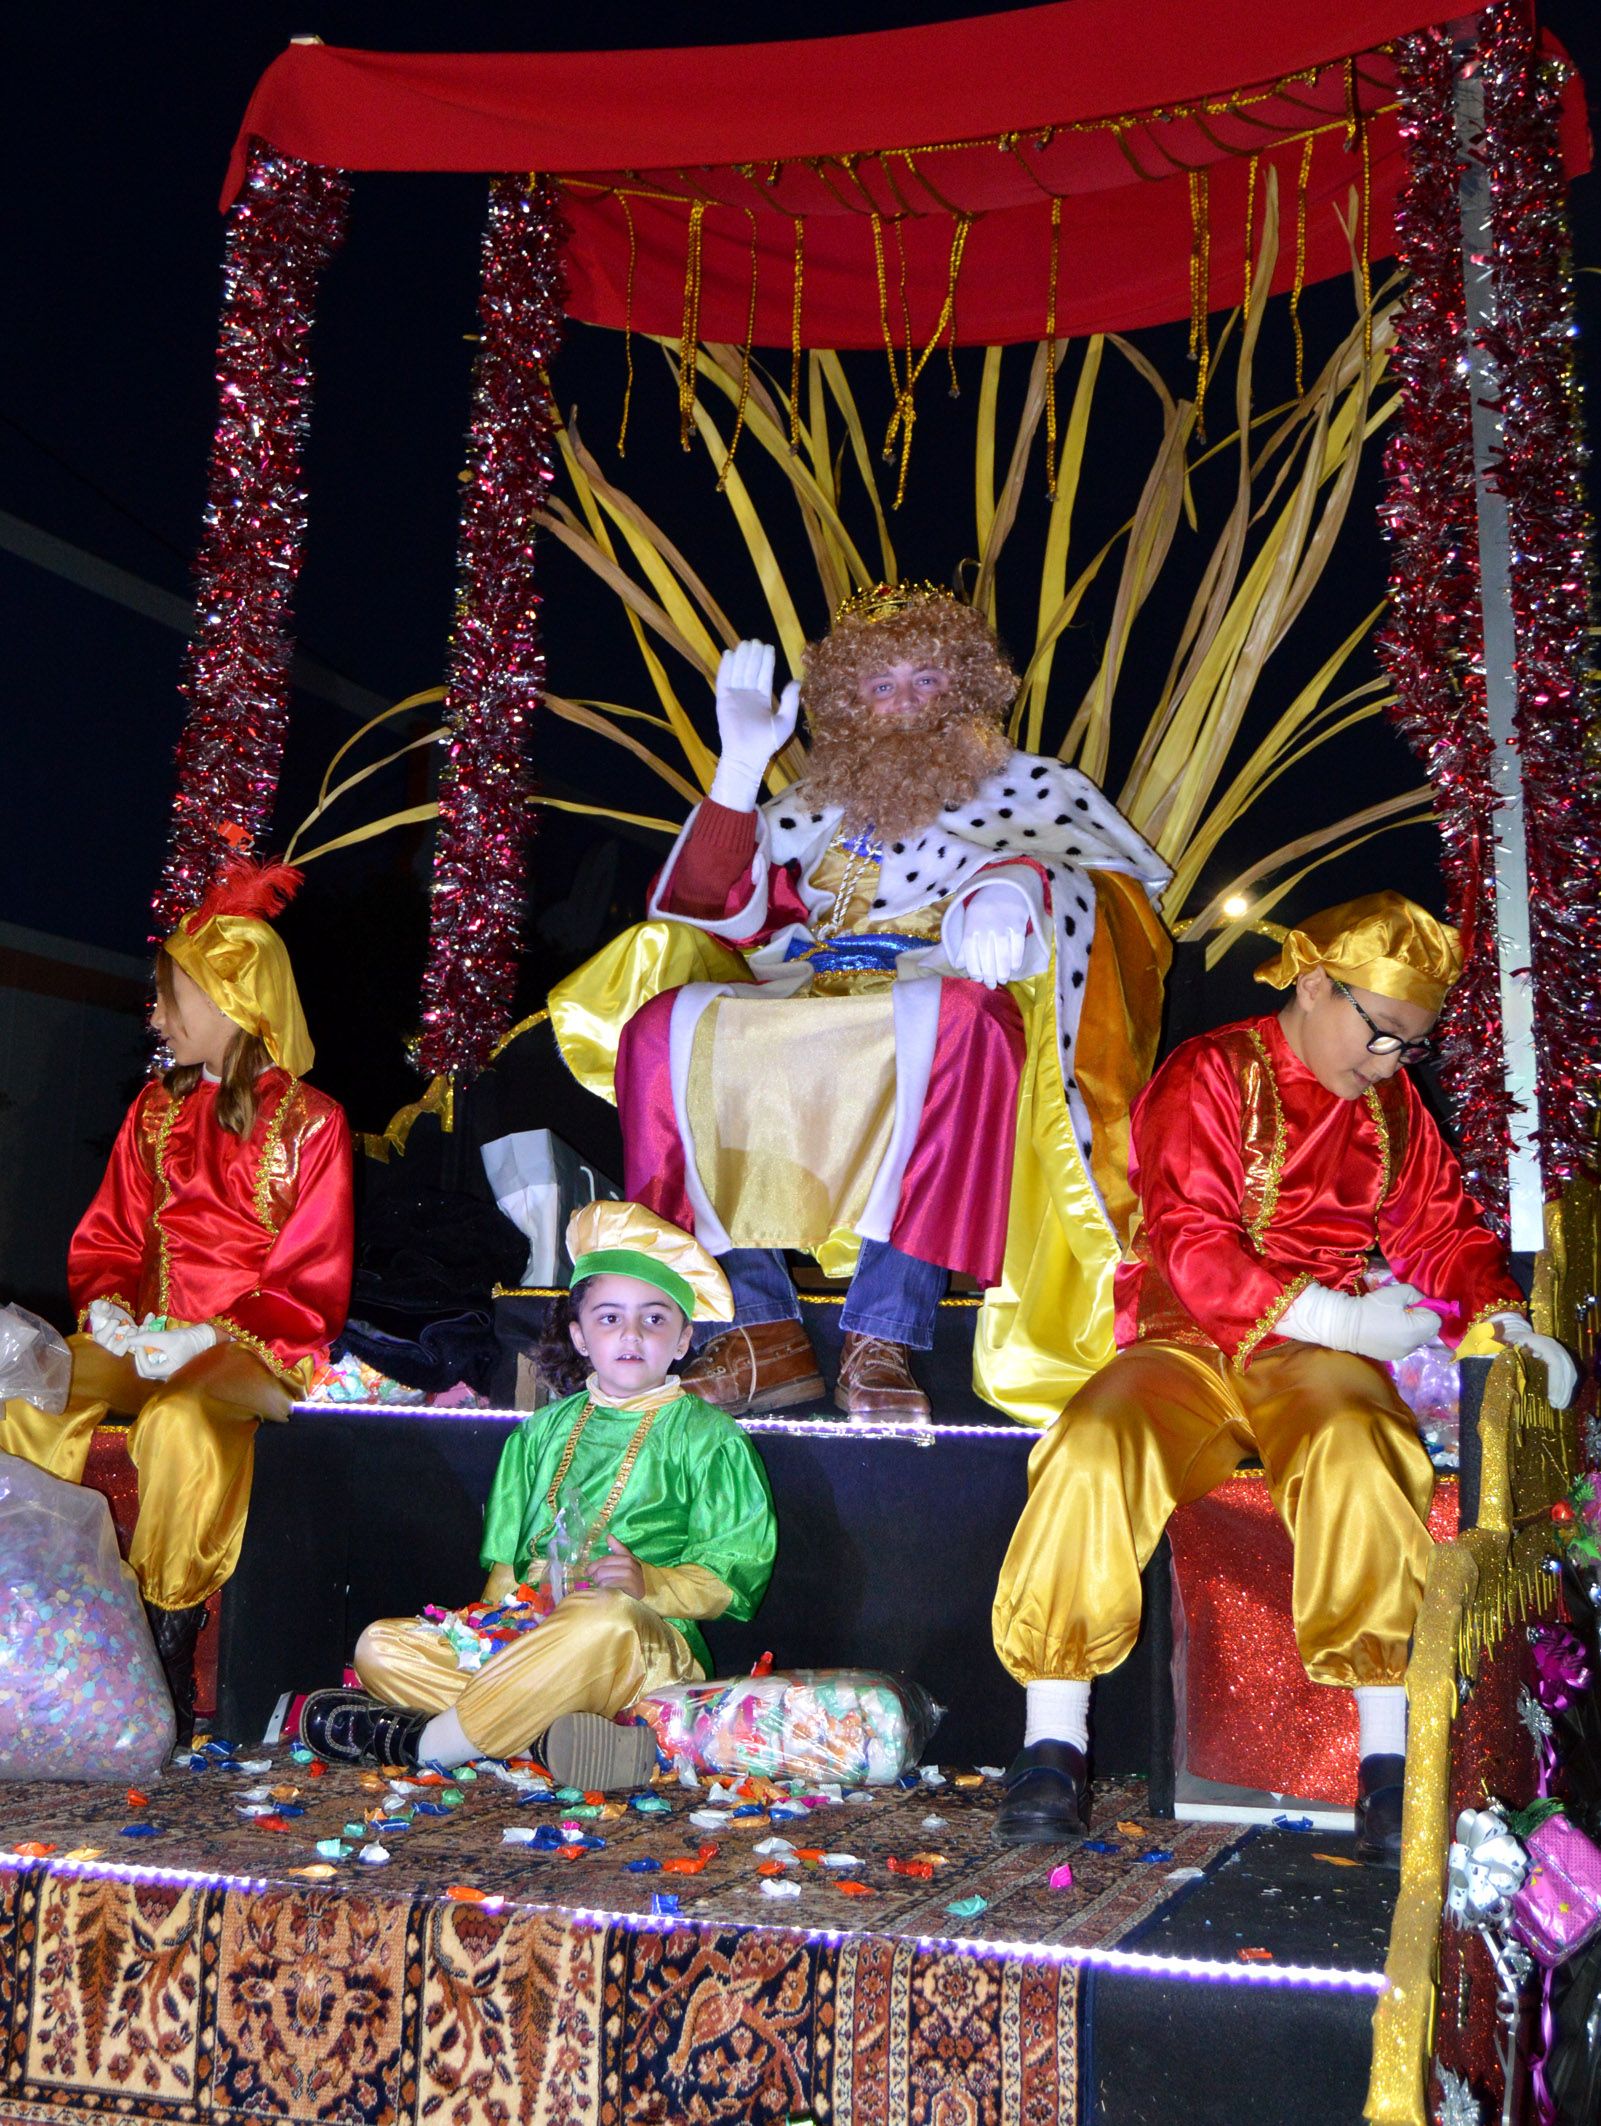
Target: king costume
[
  {"x": 243, "y": 1246},
  {"x": 801, "y": 1058},
  {"x": 1258, "y": 1185}
]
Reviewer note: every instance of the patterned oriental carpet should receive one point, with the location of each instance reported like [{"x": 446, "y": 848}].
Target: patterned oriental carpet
[{"x": 173, "y": 1959}]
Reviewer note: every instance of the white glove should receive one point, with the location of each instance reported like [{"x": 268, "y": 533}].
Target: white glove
[
  {"x": 111, "y": 1326},
  {"x": 749, "y": 728},
  {"x": 160, "y": 1353},
  {"x": 1561, "y": 1374},
  {"x": 1386, "y": 1324},
  {"x": 994, "y": 933}
]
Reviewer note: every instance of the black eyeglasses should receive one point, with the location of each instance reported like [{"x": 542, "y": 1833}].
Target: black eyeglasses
[{"x": 1382, "y": 1043}]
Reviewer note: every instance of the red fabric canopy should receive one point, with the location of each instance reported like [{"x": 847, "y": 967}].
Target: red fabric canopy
[{"x": 710, "y": 167}]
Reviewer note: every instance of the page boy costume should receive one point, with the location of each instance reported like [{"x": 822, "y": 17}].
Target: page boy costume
[
  {"x": 1261, "y": 1195},
  {"x": 241, "y": 1249},
  {"x": 672, "y": 1478}
]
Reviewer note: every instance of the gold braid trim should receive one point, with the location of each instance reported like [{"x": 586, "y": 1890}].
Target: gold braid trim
[
  {"x": 290, "y": 1376},
  {"x": 1276, "y": 1157},
  {"x": 271, "y": 1145},
  {"x": 1381, "y": 1129},
  {"x": 163, "y": 1198},
  {"x": 1275, "y": 1313}
]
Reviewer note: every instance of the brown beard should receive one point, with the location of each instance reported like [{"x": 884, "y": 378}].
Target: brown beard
[{"x": 896, "y": 773}]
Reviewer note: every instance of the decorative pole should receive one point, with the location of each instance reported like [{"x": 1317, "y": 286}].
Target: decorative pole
[
  {"x": 1525, "y": 1192},
  {"x": 287, "y": 223},
  {"x": 496, "y": 669},
  {"x": 1490, "y": 600}
]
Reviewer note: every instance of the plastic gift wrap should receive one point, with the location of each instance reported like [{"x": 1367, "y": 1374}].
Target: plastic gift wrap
[
  {"x": 844, "y": 1724},
  {"x": 35, "y": 1363},
  {"x": 81, "y": 1689},
  {"x": 1558, "y": 1908}
]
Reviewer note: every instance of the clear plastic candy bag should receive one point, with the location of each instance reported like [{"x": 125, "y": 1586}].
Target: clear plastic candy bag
[
  {"x": 81, "y": 1690},
  {"x": 845, "y": 1724},
  {"x": 35, "y": 1363}
]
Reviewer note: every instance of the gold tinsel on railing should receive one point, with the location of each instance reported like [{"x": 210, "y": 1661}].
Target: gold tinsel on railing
[{"x": 1492, "y": 1580}]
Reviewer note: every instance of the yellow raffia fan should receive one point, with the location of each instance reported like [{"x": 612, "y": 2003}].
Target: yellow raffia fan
[{"x": 1187, "y": 787}]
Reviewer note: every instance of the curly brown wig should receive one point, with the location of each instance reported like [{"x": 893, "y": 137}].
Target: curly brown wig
[{"x": 897, "y": 774}]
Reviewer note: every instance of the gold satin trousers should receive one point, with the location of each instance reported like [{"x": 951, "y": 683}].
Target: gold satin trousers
[
  {"x": 192, "y": 1441},
  {"x": 596, "y": 1653},
  {"x": 1161, "y": 1425}
]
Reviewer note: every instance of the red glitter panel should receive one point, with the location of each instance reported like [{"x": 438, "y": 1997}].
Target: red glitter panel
[
  {"x": 1251, "y": 1717},
  {"x": 110, "y": 1472},
  {"x": 1491, "y": 1757}
]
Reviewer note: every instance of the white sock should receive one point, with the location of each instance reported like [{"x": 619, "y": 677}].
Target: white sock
[
  {"x": 1058, "y": 1712},
  {"x": 444, "y": 1742},
  {"x": 1381, "y": 1712}
]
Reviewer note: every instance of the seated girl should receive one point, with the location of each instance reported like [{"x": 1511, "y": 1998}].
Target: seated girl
[{"x": 619, "y": 1516}]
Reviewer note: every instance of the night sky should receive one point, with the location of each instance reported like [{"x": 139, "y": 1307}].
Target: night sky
[{"x": 119, "y": 128}]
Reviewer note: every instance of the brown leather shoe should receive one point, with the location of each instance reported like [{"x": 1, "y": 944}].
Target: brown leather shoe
[
  {"x": 769, "y": 1366},
  {"x": 875, "y": 1382}
]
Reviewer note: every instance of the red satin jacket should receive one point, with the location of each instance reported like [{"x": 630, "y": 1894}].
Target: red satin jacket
[
  {"x": 1254, "y": 1182},
  {"x": 253, "y": 1235}
]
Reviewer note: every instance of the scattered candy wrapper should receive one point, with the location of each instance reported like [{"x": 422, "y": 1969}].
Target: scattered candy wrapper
[
  {"x": 780, "y": 1886},
  {"x": 1062, "y": 1877},
  {"x": 664, "y": 1905},
  {"x": 968, "y": 1907},
  {"x": 374, "y": 1856},
  {"x": 933, "y": 1823},
  {"x": 1184, "y": 1874},
  {"x": 1292, "y": 1823}
]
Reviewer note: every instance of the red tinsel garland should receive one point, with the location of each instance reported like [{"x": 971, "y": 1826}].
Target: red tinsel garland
[
  {"x": 1433, "y": 640},
  {"x": 1541, "y": 475},
  {"x": 286, "y": 225},
  {"x": 497, "y": 668}
]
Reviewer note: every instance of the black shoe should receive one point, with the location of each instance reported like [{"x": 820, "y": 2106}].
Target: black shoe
[
  {"x": 348, "y": 1727},
  {"x": 1378, "y": 1810},
  {"x": 1046, "y": 1790},
  {"x": 175, "y": 1632}
]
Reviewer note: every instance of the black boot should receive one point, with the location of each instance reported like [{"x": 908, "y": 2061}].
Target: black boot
[
  {"x": 348, "y": 1727},
  {"x": 175, "y": 1632},
  {"x": 1379, "y": 1783}
]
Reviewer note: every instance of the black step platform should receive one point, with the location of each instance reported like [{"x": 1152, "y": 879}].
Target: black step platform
[{"x": 889, "y": 1546}]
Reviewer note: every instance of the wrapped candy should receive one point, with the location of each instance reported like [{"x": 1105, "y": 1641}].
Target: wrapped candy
[
  {"x": 81, "y": 1690},
  {"x": 843, "y": 1724},
  {"x": 1558, "y": 1907}
]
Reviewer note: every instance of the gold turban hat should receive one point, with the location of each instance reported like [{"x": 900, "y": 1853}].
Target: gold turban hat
[
  {"x": 626, "y": 1240},
  {"x": 228, "y": 948},
  {"x": 1382, "y": 942}
]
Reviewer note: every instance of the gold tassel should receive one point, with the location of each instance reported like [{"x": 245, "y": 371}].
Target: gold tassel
[
  {"x": 628, "y": 325},
  {"x": 1367, "y": 247},
  {"x": 1050, "y": 349},
  {"x": 743, "y": 401},
  {"x": 689, "y": 337},
  {"x": 795, "y": 337},
  {"x": 1200, "y": 290},
  {"x": 1250, "y": 229},
  {"x": 1301, "y": 185}
]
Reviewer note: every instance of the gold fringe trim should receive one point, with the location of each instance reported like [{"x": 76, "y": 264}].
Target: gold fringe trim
[
  {"x": 1275, "y": 1313},
  {"x": 289, "y": 1376},
  {"x": 269, "y": 1156},
  {"x": 628, "y": 325},
  {"x": 163, "y": 1198},
  {"x": 116, "y": 1299},
  {"x": 1276, "y": 1157}
]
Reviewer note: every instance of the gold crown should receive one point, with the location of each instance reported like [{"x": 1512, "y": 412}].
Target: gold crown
[{"x": 885, "y": 600}]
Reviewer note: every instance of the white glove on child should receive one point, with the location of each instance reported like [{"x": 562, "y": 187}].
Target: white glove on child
[
  {"x": 1384, "y": 1325},
  {"x": 160, "y": 1353},
  {"x": 111, "y": 1326},
  {"x": 994, "y": 934},
  {"x": 749, "y": 728},
  {"x": 1561, "y": 1374}
]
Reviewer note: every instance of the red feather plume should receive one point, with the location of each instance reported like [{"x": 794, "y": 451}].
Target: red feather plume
[{"x": 244, "y": 887}]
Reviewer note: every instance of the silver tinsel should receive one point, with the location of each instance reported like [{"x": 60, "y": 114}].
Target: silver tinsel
[
  {"x": 1534, "y": 1717},
  {"x": 1457, "y": 2105}
]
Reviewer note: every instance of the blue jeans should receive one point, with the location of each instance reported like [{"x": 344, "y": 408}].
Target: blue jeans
[{"x": 892, "y": 1294}]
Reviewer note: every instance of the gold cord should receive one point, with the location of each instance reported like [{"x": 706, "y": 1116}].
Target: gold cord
[
  {"x": 795, "y": 336},
  {"x": 625, "y": 1468},
  {"x": 1301, "y": 185},
  {"x": 689, "y": 338},
  {"x": 1050, "y": 350},
  {"x": 628, "y": 325}
]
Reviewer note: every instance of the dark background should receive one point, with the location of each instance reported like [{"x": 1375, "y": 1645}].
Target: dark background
[{"x": 118, "y": 131}]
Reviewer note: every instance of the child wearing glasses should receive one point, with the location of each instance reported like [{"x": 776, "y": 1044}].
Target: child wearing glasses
[{"x": 1270, "y": 1158}]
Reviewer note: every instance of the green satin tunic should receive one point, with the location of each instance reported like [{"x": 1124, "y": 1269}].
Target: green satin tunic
[{"x": 697, "y": 1495}]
